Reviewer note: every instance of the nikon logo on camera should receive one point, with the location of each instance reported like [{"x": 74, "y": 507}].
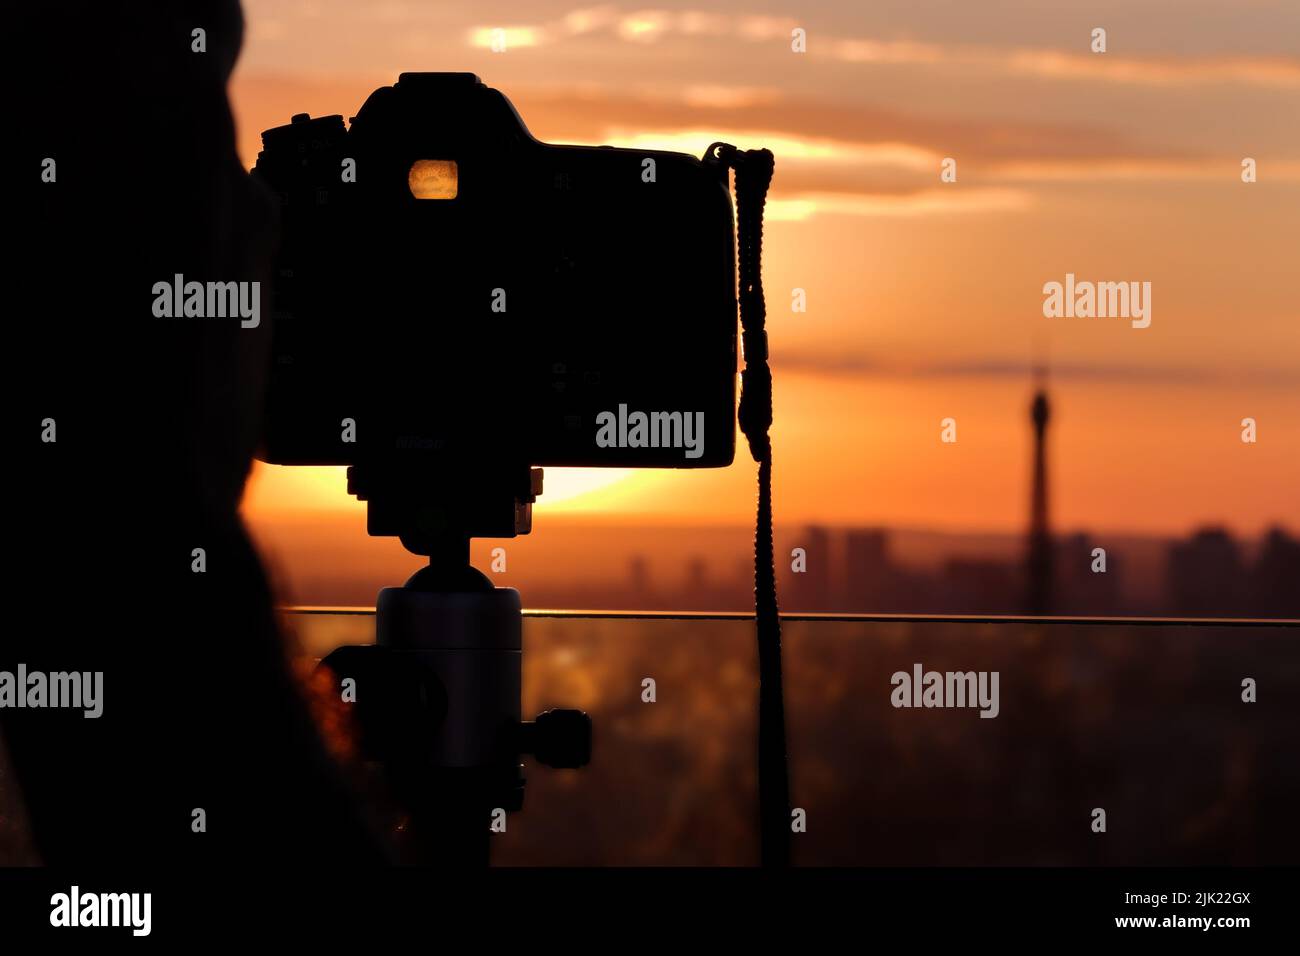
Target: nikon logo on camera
[{"x": 651, "y": 430}]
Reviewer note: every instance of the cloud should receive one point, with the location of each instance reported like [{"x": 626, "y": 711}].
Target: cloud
[
  {"x": 649, "y": 26},
  {"x": 854, "y": 364},
  {"x": 501, "y": 38},
  {"x": 789, "y": 148},
  {"x": 1225, "y": 169},
  {"x": 926, "y": 202},
  {"x": 827, "y": 148},
  {"x": 721, "y": 97},
  {"x": 831, "y": 129},
  {"x": 1058, "y": 64},
  {"x": 1157, "y": 71}
]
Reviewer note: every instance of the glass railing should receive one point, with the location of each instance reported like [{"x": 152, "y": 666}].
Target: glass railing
[{"x": 1145, "y": 719}]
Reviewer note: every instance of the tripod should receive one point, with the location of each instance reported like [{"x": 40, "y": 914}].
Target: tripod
[{"x": 438, "y": 695}]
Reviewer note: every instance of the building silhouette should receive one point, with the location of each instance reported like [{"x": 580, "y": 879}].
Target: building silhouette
[
  {"x": 1076, "y": 587},
  {"x": 1277, "y": 576},
  {"x": 868, "y": 569},
  {"x": 812, "y": 588},
  {"x": 1206, "y": 574}
]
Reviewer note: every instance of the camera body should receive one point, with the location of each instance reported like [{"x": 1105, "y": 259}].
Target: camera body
[{"x": 451, "y": 292}]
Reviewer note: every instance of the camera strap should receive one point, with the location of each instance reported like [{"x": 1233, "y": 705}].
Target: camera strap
[{"x": 753, "y": 175}]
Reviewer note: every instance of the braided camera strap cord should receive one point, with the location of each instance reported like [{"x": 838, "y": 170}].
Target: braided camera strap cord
[{"x": 753, "y": 170}]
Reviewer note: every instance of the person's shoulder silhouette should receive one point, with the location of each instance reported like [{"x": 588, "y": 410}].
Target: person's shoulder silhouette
[{"x": 129, "y": 176}]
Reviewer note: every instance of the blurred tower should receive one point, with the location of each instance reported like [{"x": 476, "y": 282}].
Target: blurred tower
[
  {"x": 697, "y": 592},
  {"x": 1038, "y": 571},
  {"x": 638, "y": 581}
]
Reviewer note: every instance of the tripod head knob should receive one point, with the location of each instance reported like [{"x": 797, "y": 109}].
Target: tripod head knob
[{"x": 558, "y": 738}]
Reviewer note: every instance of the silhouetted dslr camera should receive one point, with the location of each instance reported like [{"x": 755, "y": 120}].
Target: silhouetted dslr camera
[{"x": 450, "y": 290}]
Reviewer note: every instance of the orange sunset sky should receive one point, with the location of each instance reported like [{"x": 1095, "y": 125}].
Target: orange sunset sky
[{"x": 924, "y": 298}]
